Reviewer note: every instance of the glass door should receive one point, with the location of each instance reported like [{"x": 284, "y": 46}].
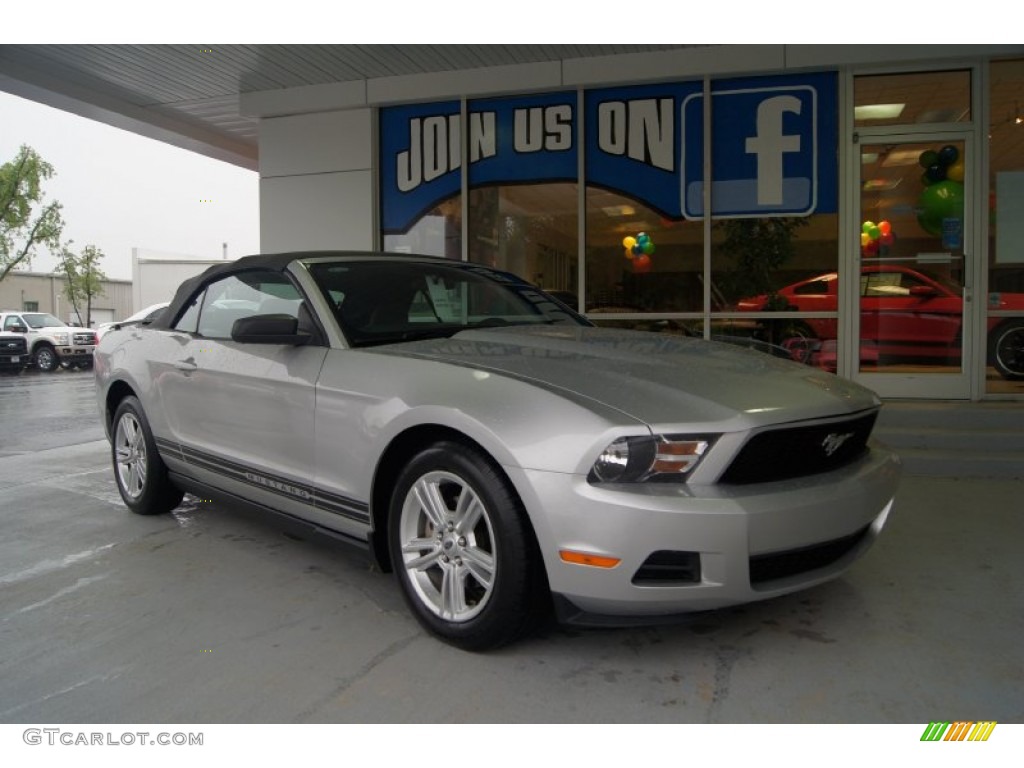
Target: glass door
[{"x": 915, "y": 266}]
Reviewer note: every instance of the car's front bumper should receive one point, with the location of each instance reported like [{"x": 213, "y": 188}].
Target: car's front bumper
[
  {"x": 813, "y": 527},
  {"x": 75, "y": 353}
]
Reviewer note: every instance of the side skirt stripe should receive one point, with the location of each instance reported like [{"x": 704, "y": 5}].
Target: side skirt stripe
[{"x": 276, "y": 484}]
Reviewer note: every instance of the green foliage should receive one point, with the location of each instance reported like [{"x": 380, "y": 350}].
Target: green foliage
[
  {"x": 26, "y": 221},
  {"x": 84, "y": 278},
  {"x": 757, "y": 248}
]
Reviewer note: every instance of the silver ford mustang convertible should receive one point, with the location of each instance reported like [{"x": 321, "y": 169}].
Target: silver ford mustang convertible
[{"x": 490, "y": 446}]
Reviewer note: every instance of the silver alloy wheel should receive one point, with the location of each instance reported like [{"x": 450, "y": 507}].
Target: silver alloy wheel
[
  {"x": 130, "y": 446},
  {"x": 47, "y": 360},
  {"x": 448, "y": 546}
]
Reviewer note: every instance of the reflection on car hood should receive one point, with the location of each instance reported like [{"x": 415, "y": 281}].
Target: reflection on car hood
[{"x": 654, "y": 378}]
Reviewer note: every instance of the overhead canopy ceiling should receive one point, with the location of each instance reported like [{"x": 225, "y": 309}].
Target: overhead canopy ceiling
[{"x": 188, "y": 95}]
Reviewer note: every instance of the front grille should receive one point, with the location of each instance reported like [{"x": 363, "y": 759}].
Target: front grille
[
  {"x": 669, "y": 567},
  {"x": 779, "y": 565},
  {"x": 15, "y": 346},
  {"x": 785, "y": 453},
  {"x": 85, "y": 339}
]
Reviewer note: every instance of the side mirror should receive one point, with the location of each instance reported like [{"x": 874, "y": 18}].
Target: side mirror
[
  {"x": 922, "y": 291},
  {"x": 269, "y": 329},
  {"x": 17, "y": 328}
]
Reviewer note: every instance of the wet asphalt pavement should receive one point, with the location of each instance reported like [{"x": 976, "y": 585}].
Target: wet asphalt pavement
[{"x": 212, "y": 616}]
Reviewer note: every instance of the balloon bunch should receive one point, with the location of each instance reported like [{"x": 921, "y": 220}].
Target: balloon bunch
[
  {"x": 943, "y": 195},
  {"x": 873, "y": 236},
  {"x": 639, "y": 250}
]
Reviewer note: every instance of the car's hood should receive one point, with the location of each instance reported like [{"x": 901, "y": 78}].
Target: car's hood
[{"x": 655, "y": 378}]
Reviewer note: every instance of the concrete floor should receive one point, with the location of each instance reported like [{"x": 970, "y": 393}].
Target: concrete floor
[{"x": 211, "y": 616}]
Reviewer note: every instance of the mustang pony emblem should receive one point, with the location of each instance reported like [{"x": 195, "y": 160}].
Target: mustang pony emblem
[{"x": 832, "y": 443}]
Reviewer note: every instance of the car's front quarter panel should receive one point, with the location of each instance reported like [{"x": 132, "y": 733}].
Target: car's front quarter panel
[{"x": 365, "y": 400}]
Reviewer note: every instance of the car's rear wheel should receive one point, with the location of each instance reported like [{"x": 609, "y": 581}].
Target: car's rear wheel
[
  {"x": 141, "y": 474},
  {"x": 1008, "y": 350},
  {"x": 462, "y": 548},
  {"x": 46, "y": 359}
]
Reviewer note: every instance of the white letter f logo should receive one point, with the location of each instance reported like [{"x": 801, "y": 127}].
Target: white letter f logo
[{"x": 769, "y": 145}]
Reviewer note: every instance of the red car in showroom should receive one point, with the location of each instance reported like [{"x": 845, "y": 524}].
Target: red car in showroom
[{"x": 905, "y": 315}]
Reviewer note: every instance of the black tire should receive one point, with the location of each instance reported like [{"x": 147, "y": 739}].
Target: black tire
[
  {"x": 46, "y": 358},
  {"x": 140, "y": 473},
  {"x": 801, "y": 342},
  {"x": 1007, "y": 350},
  {"x": 467, "y": 565}
]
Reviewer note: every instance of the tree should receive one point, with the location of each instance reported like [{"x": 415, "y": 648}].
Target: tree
[
  {"x": 758, "y": 248},
  {"x": 84, "y": 278},
  {"x": 23, "y": 228}
]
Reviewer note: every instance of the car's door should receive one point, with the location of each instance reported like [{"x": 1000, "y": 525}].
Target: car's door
[
  {"x": 906, "y": 314},
  {"x": 241, "y": 414}
]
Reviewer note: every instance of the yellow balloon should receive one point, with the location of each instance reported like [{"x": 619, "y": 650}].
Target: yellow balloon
[
  {"x": 628, "y": 242},
  {"x": 629, "y": 251},
  {"x": 865, "y": 238},
  {"x": 955, "y": 172}
]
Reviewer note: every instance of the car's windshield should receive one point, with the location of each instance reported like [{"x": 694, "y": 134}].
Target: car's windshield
[
  {"x": 42, "y": 320},
  {"x": 387, "y": 301}
]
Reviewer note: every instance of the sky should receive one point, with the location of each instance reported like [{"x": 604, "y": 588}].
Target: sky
[{"x": 122, "y": 191}]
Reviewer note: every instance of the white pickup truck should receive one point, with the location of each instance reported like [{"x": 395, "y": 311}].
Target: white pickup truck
[{"x": 50, "y": 342}]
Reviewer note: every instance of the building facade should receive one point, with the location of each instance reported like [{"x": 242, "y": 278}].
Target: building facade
[
  {"x": 856, "y": 208},
  {"x": 44, "y": 292}
]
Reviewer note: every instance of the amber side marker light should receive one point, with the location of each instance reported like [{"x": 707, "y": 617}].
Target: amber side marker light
[{"x": 585, "y": 558}]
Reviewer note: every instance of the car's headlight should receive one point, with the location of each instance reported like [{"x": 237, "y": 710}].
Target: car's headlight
[
  {"x": 60, "y": 338},
  {"x": 658, "y": 458}
]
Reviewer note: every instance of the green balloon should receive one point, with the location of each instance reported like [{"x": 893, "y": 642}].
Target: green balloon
[
  {"x": 928, "y": 157},
  {"x": 649, "y": 247},
  {"x": 942, "y": 200}
]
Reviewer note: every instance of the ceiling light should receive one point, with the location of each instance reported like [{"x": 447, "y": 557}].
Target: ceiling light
[
  {"x": 619, "y": 210},
  {"x": 878, "y": 111},
  {"x": 880, "y": 185},
  {"x": 866, "y": 158},
  {"x": 902, "y": 157}
]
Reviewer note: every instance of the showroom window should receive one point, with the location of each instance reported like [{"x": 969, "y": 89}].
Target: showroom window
[
  {"x": 523, "y": 199},
  {"x": 774, "y": 199},
  {"x": 420, "y": 179},
  {"x": 1005, "y": 327},
  {"x": 646, "y": 259},
  {"x": 642, "y": 256},
  {"x": 911, "y": 98}
]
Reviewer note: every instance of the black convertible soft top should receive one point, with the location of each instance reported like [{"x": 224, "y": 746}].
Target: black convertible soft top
[{"x": 275, "y": 262}]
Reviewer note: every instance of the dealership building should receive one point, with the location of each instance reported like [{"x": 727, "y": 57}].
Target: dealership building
[{"x": 855, "y": 207}]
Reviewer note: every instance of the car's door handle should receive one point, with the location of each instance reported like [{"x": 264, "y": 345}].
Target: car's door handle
[{"x": 188, "y": 365}]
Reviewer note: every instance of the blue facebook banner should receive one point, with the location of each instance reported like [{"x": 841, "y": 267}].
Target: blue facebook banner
[
  {"x": 527, "y": 139},
  {"x": 420, "y": 157},
  {"x": 774, "y": 147},
  {"x": 634, "y": 142}
]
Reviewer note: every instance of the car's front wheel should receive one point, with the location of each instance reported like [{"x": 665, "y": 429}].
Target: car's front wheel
[
  {"x": 1007, "y": 352},
  {"x": 141, "y": 473},
  {"x": 46, "y": 359},
  {"x": 462, "y": 548}
]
